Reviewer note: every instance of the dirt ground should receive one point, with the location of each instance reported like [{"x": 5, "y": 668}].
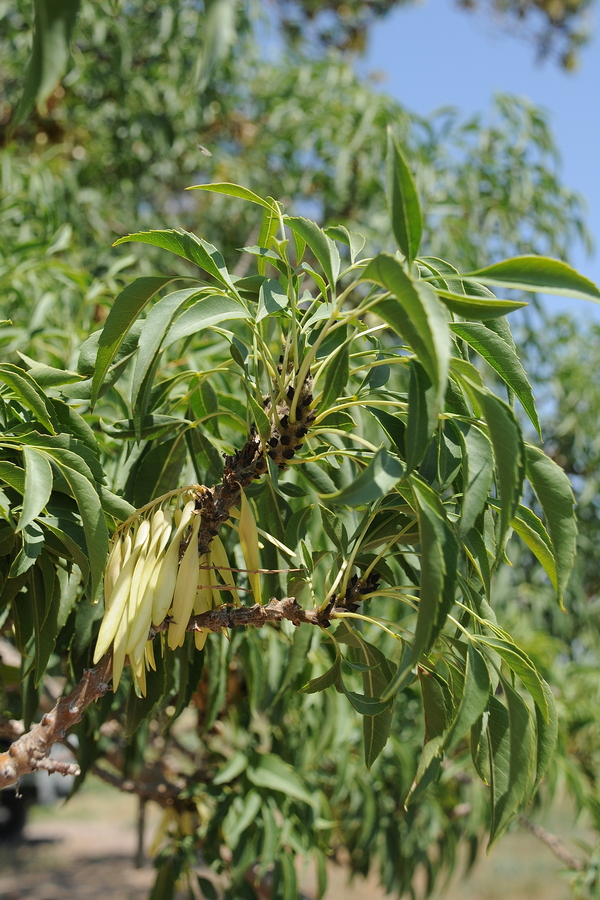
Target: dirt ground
[{"x": 84, "y": 850}]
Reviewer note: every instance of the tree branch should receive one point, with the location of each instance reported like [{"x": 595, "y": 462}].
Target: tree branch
[
  {"x": 31, "y": 751},
  {"x": 554, "y": 843}
]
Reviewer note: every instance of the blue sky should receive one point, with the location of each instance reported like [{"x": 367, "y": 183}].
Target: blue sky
[{"x": 433, "y": 54}]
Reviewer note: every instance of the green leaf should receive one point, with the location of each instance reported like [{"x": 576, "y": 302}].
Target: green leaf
[
  {"x": 327, "y": 679},
  {"x": 435, "y": 704},
  {"x": 422, "y": 415},
  {"x": 393, "y": 426},
  {"x": 519, "y": 663},
  {"x": 337, "y": 371},
  {"x": 33, "y": 544},
  {"x": 125, "y": 310},
  {"x": 504, "y": 360},
  {"x": 415, "y": 313},
  {"x": 477, "y": 307},
  {"x": 547, "y": 733},
  {"x": 232, "y": 768},
  {"x": 531, "y": 530},
  {"x": 94, "y": 525},
  {"x": 478, "y": 471},
  {"x": 514, "y": 783},
  {"x": 13, "y": 475},
  {"x": 30, "y": 394},
  {"x": 237, "y": 820},
  {"x": 537, "y": 273},
  {"x": 380, "y": 476},
  {"x": 151, "y": 428},
  {"x": 509, "y": 452},
  {"x": 53, "y": 25},
  {"x": 554, "y": 492},
  {"x": 334, "y": 528},
  {"x": 271, "y": 299},
  {"x": 352, "y": 239},
  {"x": 155, "y": 327},
  {"x": 38, "y": 485},
  {"x": 321, "y": 245},
  {"x": 439, "y": 554},
  {"x": 187, "y": 245},
  {"x": 204, "y": 314},
  {"x": 268, "y": 229},
  {"x": 271, "y": 772},
  {"x": 474, "y": 699},
  {"x": 403, "y": 201},
  {"x": 232, "y": 190}
]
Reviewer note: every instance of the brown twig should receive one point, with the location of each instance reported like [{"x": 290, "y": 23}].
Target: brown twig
[
  {"x": 163, "y": 793},
  {"x": 553, "y": 843},
  {"x": 31, "y": 750},
  {"x": 275, "y": 611}
]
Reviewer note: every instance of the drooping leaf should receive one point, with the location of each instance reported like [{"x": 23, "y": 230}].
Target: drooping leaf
[
  {"x": 503, "y": 359},
  {"x": 537, "y": 273},
  {"x": 38, "y": 485},
  {"x": 271, "y": 772},
  {"x": 519, "y": 663},
  {"x": 154, "y": 329},
  {"x": 232, "y": 190},
  {"x": 379, "y": 477},
  {"x": 509, "y": 453},
  {"x": 554, "y": 492},
  {"x": 474, "y": 699},
  {"x": 30, "y": 394},
  {"x": 203, "y": 314},
  {"x": 321, "y": 245},
  {"x": 547, "y": 733},
  {"x": 187, "y": 245},
  {"x": 94, "y": 525},
  {"x": 515, "y": 783},
  {"x": 271, "y": 299},
  {"x": 125, "y": 310},
  {"x": 403, "y": 201},
  {"x": 531, "y": 530},
  {"x": 422, "y": 415},
  {"x": 336, "y": 376},
  {"x": 478, "y": 470}
]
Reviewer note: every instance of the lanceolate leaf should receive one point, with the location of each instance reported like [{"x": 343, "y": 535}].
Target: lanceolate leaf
[
  {"x": 30, "y": 394},
  {"x": 531, "y": 530},
  {"x": 547, "y": 732},
  {"x": 189, "y": 246},
  {"x": 203, "y": 314},
  {"x": 337, "y": 370},
  {"x": 94, "y": 525},
  {"x": 154, "y": 330},
  {"x": 519, "y": 663},
  {"x": 321, "y": 245},
  {"x": 539, "y": 274},
  {"x": 233, "y": 190},
  {"x": 478, "y": 470},
  {"x": 416, "y": 315},
  {"x": 521, "y": 762},
  {"x": 509, "y": 452},
  {"x": 126, "y": 308},
  {"x": 403, "y": 201},
  {"x": 422, "y": 415},
  {"x": 474, "y": 699},
  {"x": 271, "y": 772},
  {"x": 503, "y": 359},
  {"x": 477, "y": 307},
  {"x": 439, "y": 554},
  {"x": 380, "y": 476},
  {"x": 554, "y": 492},
  {"x": 38, "y": 485}
]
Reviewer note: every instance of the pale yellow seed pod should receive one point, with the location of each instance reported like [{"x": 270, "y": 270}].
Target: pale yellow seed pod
[
  {"x": 141, "y": 626},
  {"x": 140, "y": 606},
  {"x": 248, "y": 535},
  {"x": 118, "y": 605},
  {"x": 185, "y": 589},
  {"x": 149, "y": 655},
  {"x": 119, "y": 651},
  {"x": 219, "y": 558},
  {"x": 204, "y": 596},
  {"x": 169, "y": 564},
  {"x": 113, "y": 567}
]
